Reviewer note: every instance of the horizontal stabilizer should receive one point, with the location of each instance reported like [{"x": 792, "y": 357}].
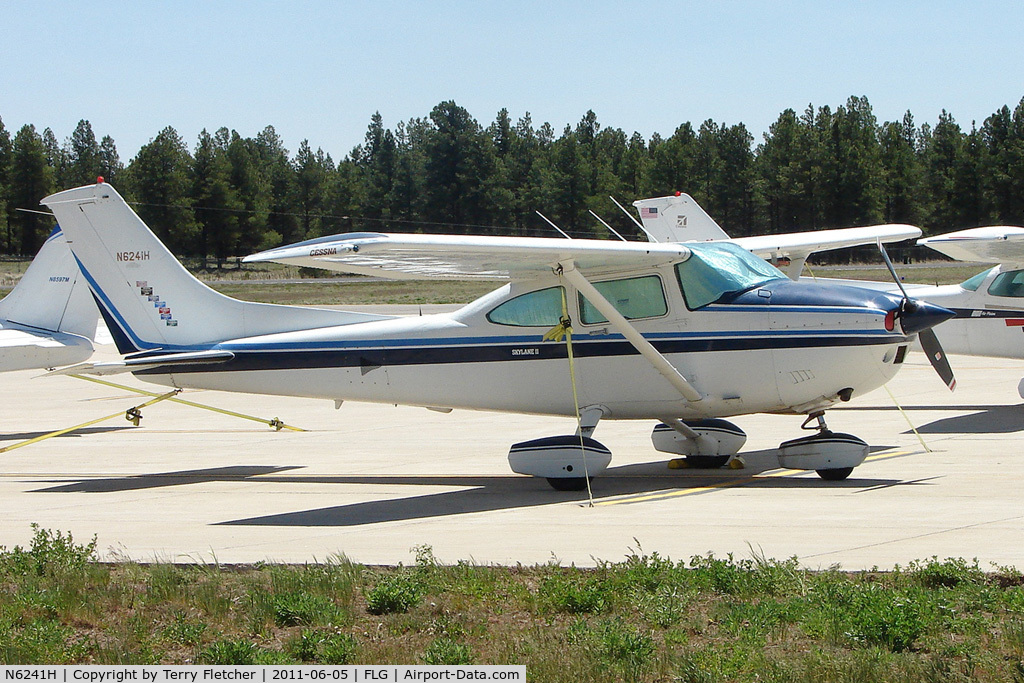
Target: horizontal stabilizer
[{"x": 145, "y": 363}]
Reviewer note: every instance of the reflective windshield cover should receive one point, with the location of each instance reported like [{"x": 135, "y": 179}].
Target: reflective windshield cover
[
  {"x": 717, "y": 269},
  {"x": 973, "y": 283}
]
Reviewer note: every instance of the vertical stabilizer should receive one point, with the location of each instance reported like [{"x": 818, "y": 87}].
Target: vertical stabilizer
[
  {"x": 52, "y": 296},
  {"x": 678, "y": 219},
  {"x": 147, "y": 298}
]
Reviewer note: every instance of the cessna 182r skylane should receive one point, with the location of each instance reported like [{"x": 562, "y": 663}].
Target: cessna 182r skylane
[
  {"x": 682, "y": 334},
  {"x": 48, "y": 319}
]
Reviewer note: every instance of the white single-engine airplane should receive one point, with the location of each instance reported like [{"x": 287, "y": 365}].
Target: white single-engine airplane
[
  {"x": 49, "y": 318},
  {"x": 681, "y": 334}
]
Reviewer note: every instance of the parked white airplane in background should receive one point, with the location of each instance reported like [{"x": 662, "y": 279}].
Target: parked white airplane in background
[
  {"x": 989, "y": 307},
  {"x": 49, "y": 319},
  {"x": 679, "y": 218},
  {"x": 682, "y": 334}
]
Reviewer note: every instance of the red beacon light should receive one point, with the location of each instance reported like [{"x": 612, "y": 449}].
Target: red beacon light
[
  {"x": 99, "y": 180},
  {"x": 678, "y": 193}
]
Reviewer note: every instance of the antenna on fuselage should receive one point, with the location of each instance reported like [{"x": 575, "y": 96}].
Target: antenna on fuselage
[
  {"x": 640, "y": 225},
  {"x": 564, "y": 233},
  {"x": 608, "y": 226}
]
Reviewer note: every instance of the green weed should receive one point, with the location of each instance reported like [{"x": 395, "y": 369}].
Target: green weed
[
  {"x": 395, "y": 592},
  {"x": 51, "y": 553},
  {"x": 324, "y": 646},
  {"x": 447, "y": 651}
]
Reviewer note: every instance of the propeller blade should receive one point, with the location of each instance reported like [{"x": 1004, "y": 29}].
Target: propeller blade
[
  {"x": 892, "y": 269},
  {"x": 937, "y": 357}
]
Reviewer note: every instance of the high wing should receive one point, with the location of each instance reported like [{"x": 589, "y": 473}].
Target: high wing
[
  {"x": 680, "y": 218},
  {"x": 990, "y": 244},
  {"x": 418, "y": 257},
  {"x": 800, "y": 244}
]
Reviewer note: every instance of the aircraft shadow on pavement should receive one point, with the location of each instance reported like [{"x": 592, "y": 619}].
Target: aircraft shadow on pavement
[
  {"x": 990, "y": 420},
  {"x": 475, "y": 493},
  {"x": 985, "y": 419},
  {"x": 162, "y": 479},
  {"x": 25, "y": 436}
]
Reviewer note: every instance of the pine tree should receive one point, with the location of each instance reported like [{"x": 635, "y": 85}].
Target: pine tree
[
  {"x": 159, "y": 180},
  {"x": 84, "y": 160},
  {"x": 6, "y": 157},
  {"x": 31, "y": 180},
  {"x": 216, "y": 202}
]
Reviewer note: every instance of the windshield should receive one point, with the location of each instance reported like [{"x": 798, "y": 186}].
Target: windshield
[
  {"x": 973, "y": 283},
  {"x": 716, "y": 269}
]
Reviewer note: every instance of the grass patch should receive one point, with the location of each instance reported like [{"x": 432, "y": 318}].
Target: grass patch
[{"x": 647, "y": 618}]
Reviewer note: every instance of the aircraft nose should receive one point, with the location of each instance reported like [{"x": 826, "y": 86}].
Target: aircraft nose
[{"x": 917, "y": 315}]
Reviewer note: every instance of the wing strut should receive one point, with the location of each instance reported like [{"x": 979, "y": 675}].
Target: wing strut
[{"x": 646, "y": 349}]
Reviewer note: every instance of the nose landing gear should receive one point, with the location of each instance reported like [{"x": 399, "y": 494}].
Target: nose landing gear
[{"x": 831, "y": 454}]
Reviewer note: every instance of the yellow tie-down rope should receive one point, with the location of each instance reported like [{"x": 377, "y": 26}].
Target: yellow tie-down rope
[
  {"x": 564, "y": 330},
  {"x": 133, "y": 415},
  {"x": 276, "y": 423}
]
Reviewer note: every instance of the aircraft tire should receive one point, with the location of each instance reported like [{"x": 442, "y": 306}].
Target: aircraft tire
[
  {"x": 707, "y": 462},
  {"x": 835, "y": 474},
  {"x": 568, "y": 483}
]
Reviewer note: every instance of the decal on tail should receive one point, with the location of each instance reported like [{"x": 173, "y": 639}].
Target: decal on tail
[{"x": 677, "y": 218}]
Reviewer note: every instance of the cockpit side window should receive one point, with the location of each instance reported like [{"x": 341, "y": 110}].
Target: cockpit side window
[
  {"x": 635, "y": 297},
  {"x": 542, "y": 308},
  {"x": 1009, "y": 284},
  {"x": 714, "y": 270},
  {"x": 972, "y": 284}
]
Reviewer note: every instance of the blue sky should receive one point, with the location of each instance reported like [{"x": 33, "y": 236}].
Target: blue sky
[{"x": 318, "y": 70}]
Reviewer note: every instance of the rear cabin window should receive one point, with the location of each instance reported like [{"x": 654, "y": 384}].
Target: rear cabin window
[
  {"x": 542, "y": 308},
  {"x": 1009, "y": 284},
  {"x": 635, "y": 297}
]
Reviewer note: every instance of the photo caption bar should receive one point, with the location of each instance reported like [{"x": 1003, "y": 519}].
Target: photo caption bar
[{"x": 98, "y": 673}]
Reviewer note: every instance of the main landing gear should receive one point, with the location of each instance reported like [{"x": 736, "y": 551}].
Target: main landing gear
[
  {"x": 831, "y": 454},
  {"x": 567, "y": 462},
  {"x": 705, "y": 443}
]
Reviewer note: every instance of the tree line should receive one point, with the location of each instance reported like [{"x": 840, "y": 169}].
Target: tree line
[{"x": 819, "y": 168}]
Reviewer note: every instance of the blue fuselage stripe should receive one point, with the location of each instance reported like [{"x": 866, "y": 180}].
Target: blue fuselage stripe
[{"x": 496, "y": 352}]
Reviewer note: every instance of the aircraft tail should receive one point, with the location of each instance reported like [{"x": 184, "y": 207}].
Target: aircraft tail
[
  {"x": 677, "y": 219},
  {"x": 52, "y": 295},
  {"x": 148, "y": 299}
]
